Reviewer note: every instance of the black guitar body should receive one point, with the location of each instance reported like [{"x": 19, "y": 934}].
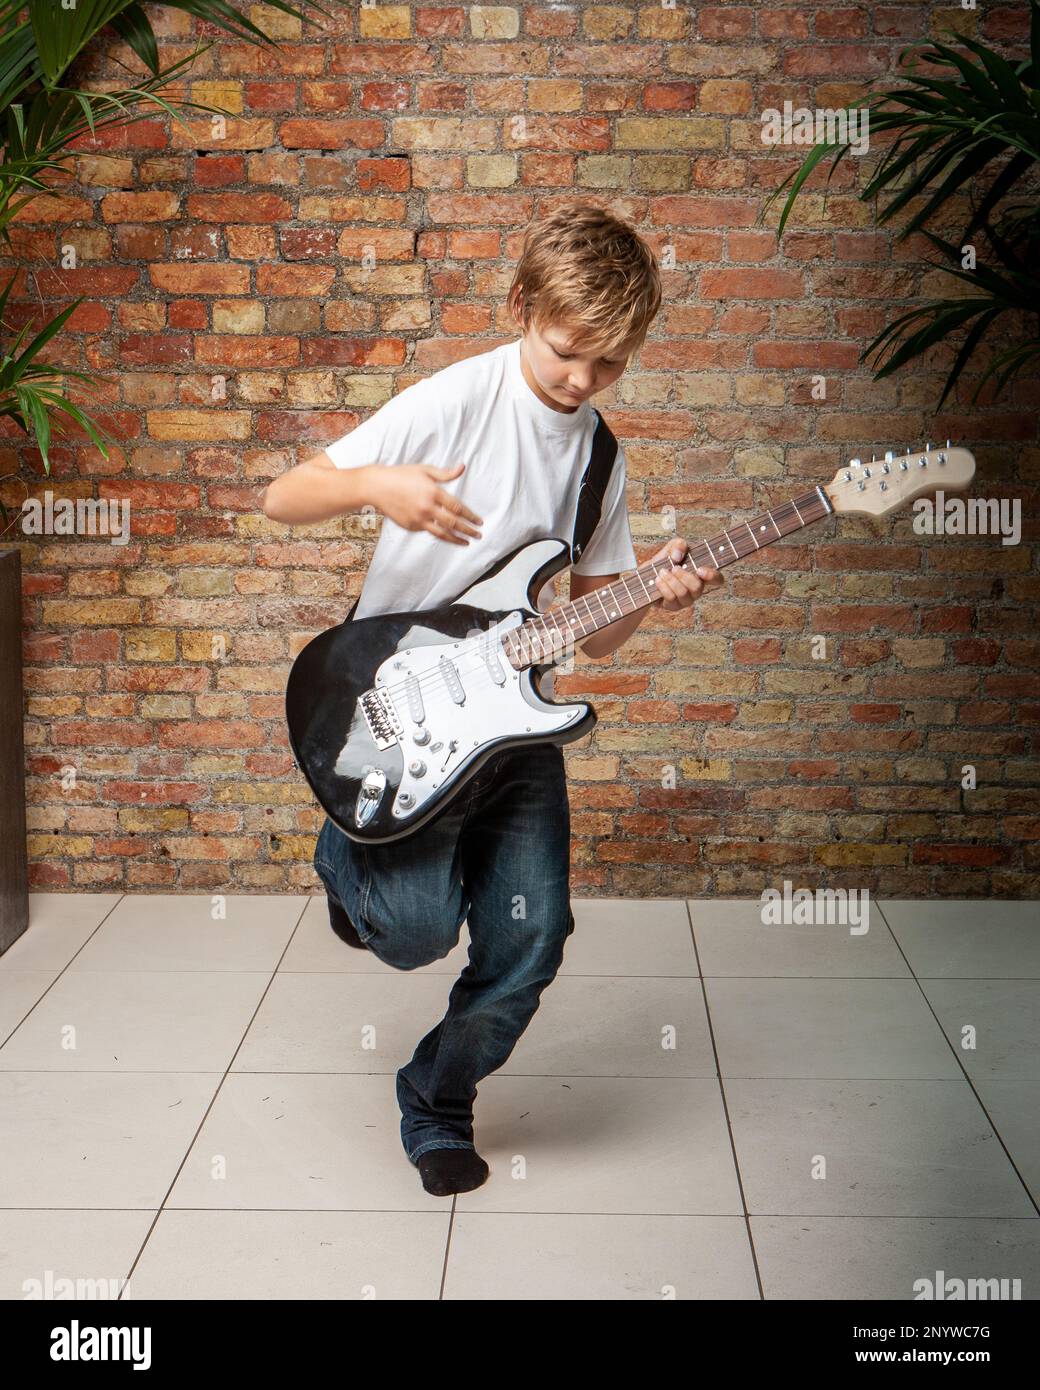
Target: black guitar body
[{"x": 390, "y": 716}]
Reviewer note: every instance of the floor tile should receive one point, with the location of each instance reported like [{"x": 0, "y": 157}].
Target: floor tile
[
  {"x": 96, "y": 1139},
  {"x": 20, "y": 990},
  {"x": 302, "y": 1143},
  {"x": 59, "y": 924},
  {"x": 993, "y": 1025},
  {"x": 732, "y": 940},
  {"x": 872, "y": 1257},
  {"x": 589, "y": 1026},
  {"x": 891, "y": 1148},
  {"x": 819, "y": 1028},
  {"x": 178, "y": 931},
  {"x": 1014, "y": 1109},
  {"x": 277, "y": 1255},
  {"x": 69, "y": 1254},
  {"x": 615, "y": 1258},
  {"x": 157, "y": 1020},
  {"x": 604, "y": 1145},
  {"x": 976, "y": 938}
]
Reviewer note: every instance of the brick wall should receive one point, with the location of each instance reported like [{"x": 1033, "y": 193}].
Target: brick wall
[{"x": 430, "y": 135}]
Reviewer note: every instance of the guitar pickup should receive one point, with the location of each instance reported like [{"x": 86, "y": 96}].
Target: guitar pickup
[
  {"x": 493, "y": 664},
  {"x": 416, "y": 708},
  {"x": 381, "y": 718},
  {"x": 451, "y": 680}
]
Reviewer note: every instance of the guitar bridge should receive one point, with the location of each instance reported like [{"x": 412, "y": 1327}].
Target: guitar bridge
[{"x": 381, "y": 718}]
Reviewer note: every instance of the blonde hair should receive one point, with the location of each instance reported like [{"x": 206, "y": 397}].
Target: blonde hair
[{"x": 583, "y": 268}]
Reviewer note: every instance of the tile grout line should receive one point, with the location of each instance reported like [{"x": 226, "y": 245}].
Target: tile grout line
[
  {"x": 725, "y": 1106},
  {"x": 213, "y": 1099},
  {"x": 82, "y": 946},
  {"x": 964, "y": 1071}
]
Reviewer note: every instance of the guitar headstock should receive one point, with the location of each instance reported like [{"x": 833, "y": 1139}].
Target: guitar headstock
[{"x": 883, "y": 485}]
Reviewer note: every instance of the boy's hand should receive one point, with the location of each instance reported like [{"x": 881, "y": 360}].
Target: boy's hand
[
  {"x": 409, "y": 494},
  {"x": 681, "y": 586}
]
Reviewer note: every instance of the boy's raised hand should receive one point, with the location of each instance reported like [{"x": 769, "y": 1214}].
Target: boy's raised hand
[
  {"x": 411, "y": 495},
  {"x": 679, "y": 587}
]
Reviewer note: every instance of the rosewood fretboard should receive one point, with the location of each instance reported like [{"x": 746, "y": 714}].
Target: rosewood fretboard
[{"x": 540, "y": 639}]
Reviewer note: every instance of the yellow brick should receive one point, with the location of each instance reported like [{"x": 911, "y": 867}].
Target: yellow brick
[
  {"x": 494, "y": 22},
  {"x": 151, "y": 644},
  {"x": 759, "y": 390},
  {"x": 441, "y": 133},
  {"x": 545, "y": 94},
  {"x": 365, "y": 391},
  {"x": 238, "y": 316},
  {"x": 151, "y": 818},
  {"x": 491, "y": 170},
  {"x": 199, "y": 424},
  {"x": 104, "y": 171},
  {"x": 607, "y": 22},
  {"x": 670, "y": 133},
  {"x": 274, "y": 23},
  {"x": 200, "y": 645},
  {"x": 918, "y": 652},
  {"x": 95, "y": 613},
  {"x": 260, "y": 794},
  {"x": 409, "y": 313},
  {"x": 662, "y": 173},
  {"x": 312, "y": 388},
  {"x": 385, "y": 21},
  {"x": 205, "y": 583},
  {"x": 166, "y": 707},
  {"x": 706, "y": 390},
  {"x": 260, "y": 387},
  {"x": 58, "y": 846},
  {"x": 225, "y": 95},
  {"x": 655, "y": 22},
  {"x": 706, "y": 769},
  {"x": 293, "y": 847},
  {"x": 604, "y": 171}
]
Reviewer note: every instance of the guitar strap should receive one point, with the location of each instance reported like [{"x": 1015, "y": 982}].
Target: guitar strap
[
  {"x": 590, "y": 495},
  {"x": 593, "y": 486}
]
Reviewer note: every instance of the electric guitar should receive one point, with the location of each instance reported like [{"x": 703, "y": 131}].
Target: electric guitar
[{"x": 389, "y": 717}]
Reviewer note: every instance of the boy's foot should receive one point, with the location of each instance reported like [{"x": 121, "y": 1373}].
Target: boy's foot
[
  {"x": 444, "y": 1171},
  {"x": 344, "y": 927}
]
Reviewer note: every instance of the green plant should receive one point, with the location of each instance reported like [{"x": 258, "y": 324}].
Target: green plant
[
  {"x": 39, "y": 121},
  {"x": 948, "y": 130}
]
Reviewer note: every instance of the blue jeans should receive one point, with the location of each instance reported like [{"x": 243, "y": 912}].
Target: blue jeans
[{"x": 499, "y": 859}]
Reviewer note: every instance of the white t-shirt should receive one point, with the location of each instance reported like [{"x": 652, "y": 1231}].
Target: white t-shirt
[{"x": 524, "y": 466}]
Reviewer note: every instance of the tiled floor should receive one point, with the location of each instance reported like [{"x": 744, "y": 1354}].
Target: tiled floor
[{"x": 702, "y": 1108}]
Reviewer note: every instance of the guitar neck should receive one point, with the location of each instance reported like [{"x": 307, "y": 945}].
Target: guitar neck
[{"x": 542, "y": 639}]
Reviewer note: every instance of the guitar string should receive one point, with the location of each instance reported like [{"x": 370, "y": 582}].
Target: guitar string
[{"x": 435, "y": 681}]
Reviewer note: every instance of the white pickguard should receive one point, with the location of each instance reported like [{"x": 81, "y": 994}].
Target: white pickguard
[{"x": 445, "y": 704}]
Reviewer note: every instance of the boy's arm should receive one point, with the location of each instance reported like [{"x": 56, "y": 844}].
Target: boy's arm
[
  {"x": 317, "y": 490},
  {"x": 607, "y": 639},
  {"x": 677, "y": 589}
]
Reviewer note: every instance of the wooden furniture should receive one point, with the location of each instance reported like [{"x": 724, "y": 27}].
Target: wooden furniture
[{"x": 14, "y": 868}]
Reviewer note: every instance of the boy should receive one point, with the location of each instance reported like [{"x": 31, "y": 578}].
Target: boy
[{"x": 497, "y": 441}]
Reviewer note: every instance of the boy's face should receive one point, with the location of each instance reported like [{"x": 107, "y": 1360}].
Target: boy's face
[{"x": 561, "y": 372}]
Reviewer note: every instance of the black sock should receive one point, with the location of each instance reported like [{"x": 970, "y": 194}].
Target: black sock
[
  {"x": 343, "y": 926},
  {"x": 445, "y": 1171}
]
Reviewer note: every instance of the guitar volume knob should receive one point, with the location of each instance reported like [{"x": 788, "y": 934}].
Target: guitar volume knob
[{"x": 417, "y": 768}]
